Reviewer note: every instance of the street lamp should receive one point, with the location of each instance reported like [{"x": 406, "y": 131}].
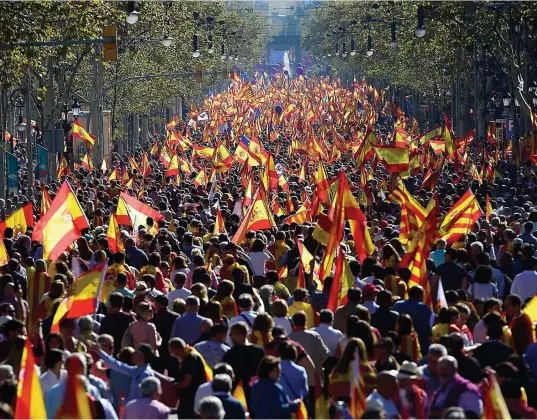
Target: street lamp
[
  {"x": 370, "y": 51},
  {"x": 344, "y": 51},
  {"x": 167, "y": 42},
  {"x": 353, "y": 48},
  {"x": 420, "y": 31},
  {"x": 75, "y": 107},
  {"x": 507, "y": 101},
  {"x": 133, "y": 15}
]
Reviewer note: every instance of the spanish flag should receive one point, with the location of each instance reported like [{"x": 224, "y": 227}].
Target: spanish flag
[
  {"x": 19, "y": 221},
  {"x": 222, "y": 159},
  {"x": 63, "y": 168},
  {"x": 219, "y": 223},
  {"x": 395, "y": 158},
  {"x": 449, "y": 137},
  {"x": 30, "y": 403},
  {"x": 494, "y": 406},
  {"x": 114, "y": 235},
  {"x": 201, "y": 179},
  {"x": 301, "y": 413},
  {"x": 146, "y": 169},
  {"x": 131, "y": 211},
  {"x": 270, "y": 176},
  {"x": 114, "y": 175},
  {"x": 62, "y": 225},
  {"x": 80, "y": 133},
  {"x": 208, "y": 371},
  {"x": 173, "y": 169},
  {"x": 87, "y": 162},
  {"x": 239, "y": 394},
  {"x": 343, "y": 281},
  {"x": 84, "y": 296},
  {"x": 134, "y": 164},
  {"x": 4, "y": 257},
  {"x": 257, "y": 217},
  {"x": 77, "y": 403},
  {"x": 45, "y": 200}
]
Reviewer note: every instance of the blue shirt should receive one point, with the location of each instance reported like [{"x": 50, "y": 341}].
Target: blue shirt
[
  {"x": 137, "y": 257},
  {"x": 137, "y": 373},
  {"x": 421, "y": 317},
  {"x": 268, "y": 400},
  {"x": 187, "y": 327},
  {"x": 212, "y": 351},
  {"x": 55, "y": 397},
  {"x": 294, "y": 380},
  {"x": 438, "y": 256},
  {"x": 232, "y": 406}
]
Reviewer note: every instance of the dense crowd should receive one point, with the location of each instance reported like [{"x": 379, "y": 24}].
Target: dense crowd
[{"x": 217, "y": 329}]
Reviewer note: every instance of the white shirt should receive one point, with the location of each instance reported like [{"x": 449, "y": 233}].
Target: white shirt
[
  {"x": 49, "y": 379},
  {"x": 204, "y": 390},
  {"x": 389, "y": 406},
  {"x": 330, "y": 336},
  {"x": 177, "y": 294},
  {"x": 249, "y": 315},
  {"x": 258, "y": 260},
  {"x": 284, "y": 322},
  {"x": 525, "y": 284}
]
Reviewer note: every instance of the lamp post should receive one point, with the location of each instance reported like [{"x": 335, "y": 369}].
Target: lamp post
[{"x": 18, "y": 101}]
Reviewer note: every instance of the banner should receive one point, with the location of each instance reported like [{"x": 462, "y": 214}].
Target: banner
[
  {"x": 12, "y": 173},
  {"x": 42, "y": 164}
]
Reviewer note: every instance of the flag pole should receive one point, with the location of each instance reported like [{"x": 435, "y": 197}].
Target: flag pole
[{"x": 103, "y": 274}]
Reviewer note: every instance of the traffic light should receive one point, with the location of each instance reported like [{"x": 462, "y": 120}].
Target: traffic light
[
  {"x": 199, "y": 74},
  {"x": 69, "y": 146},
  {"x": 110, "y": 48}
]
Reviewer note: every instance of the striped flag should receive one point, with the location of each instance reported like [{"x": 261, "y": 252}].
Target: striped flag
[
  {"x": 239, "y": 394},
  {"x": 30, "y": 403},
  {"x": 395, "y": 158},
  {"x": 461, "y": 218},
  {"x": 494, "y": 406}
]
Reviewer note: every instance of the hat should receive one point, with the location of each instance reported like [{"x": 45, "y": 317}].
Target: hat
[
  {"x": 408, "y": 370},
  {"x": 279, "y": 332},
  {"x": 141, "y": 288},
  {"x": 369, "y": 289}
]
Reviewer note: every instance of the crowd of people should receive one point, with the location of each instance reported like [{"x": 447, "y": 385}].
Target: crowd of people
[{"x": 211, "y": 328}]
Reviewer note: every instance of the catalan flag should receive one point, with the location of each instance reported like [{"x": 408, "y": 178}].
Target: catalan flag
[
  {"x": 30, "y": 403},
  {"x": 461, "y": 218},
  {"x": 80, "y": 133},
  {"x": 358, "y": 391},
  {"x": 245, "y": 93},
  {"x": 62, "y": 224},
  {"x": 19, "y": 221}
]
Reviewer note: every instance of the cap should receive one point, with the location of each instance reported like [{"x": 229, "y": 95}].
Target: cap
[
  {"x": 141, "y": 288},
  {"x": 369, "y": 289},
  {"x": 408, "y": 370}
]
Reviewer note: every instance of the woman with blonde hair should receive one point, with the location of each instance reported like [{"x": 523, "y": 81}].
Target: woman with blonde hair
[
  {"x": 199, "y": 290},
  {"x": 340, "y": 378},
  {"x": 224, "y": 295},
  {"x": 279, "y": 310},
  {"x": 262, "y": 330}
]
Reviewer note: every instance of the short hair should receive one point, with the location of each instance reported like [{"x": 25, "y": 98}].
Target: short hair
[
  {"x": 384, "y": 298},
  {"x": 162, "y": 300},
  {"x": 179, "y": 278},
  {"x": 287, "y": 351},
  {"x": 149, "y": 386},
  {"x": 279, "y": 308},
  {"x": 177, "y": 343},
  {"x": 477, "y": 245},
  {"x": 482, "y": 258},
  {"x": 449, "y": 360},
  {"x": 221, "y": 383},
  {"x": 245, "y": 301},
  {"x": 192, "y": 301},
  {"x": 267, "y": 365},
  {"x": 212, "y": 408},
  {"x": 116, "y": 300},
  {"x": 490, "y": 303},
  {"x": 219, "y": 328},
  {"x": 239, "y": 328},
  {"x": 299, "y": 319},
  {"x": 514, "y": 299},
  {"x": 300, "y": 294},
  {"x": 437, "y": 350},
  {"x": 354, "y": 295},
  {"x": 52, "y": 357},
  {"x": 326, "y": 316}
]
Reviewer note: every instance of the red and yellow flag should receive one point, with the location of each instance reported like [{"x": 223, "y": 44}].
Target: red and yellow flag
[
  {"x": 222, "y": 159},
  {"x": 87, "y": 162},
  {"x": 4, "y": 256},
  {"x": 62, "y": 225},
  {"x": 343, "y": 281},
  {"x": 461, "y": 218},
  {"x": 219, "y": 223},
  {"x": 494, "y": 406},
  {"x": 45, "y": 200},
  {"x": 395, "y": 158},
  {"x": 114, "y": 235},
  {"x": 201, "y": 179},
  {"x": 77, "y": 403},
  {"x": 19, "y": 221},
  {"x": 63, "y": 168},
  {"x": 80, "y": 133},
  {"x": 30, "y": 403},
  {"x": 173, "y": 168},
  {"x": 131, "y": 211},
  {"x": 488, "y": 207},
  {"x": 239, "y": 394},
  {"x": 257, "y": 217},
  {"x": 208, "y": 371}
]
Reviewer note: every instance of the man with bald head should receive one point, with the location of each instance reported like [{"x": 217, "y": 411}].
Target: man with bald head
[{"x": 455, "y": 391}]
